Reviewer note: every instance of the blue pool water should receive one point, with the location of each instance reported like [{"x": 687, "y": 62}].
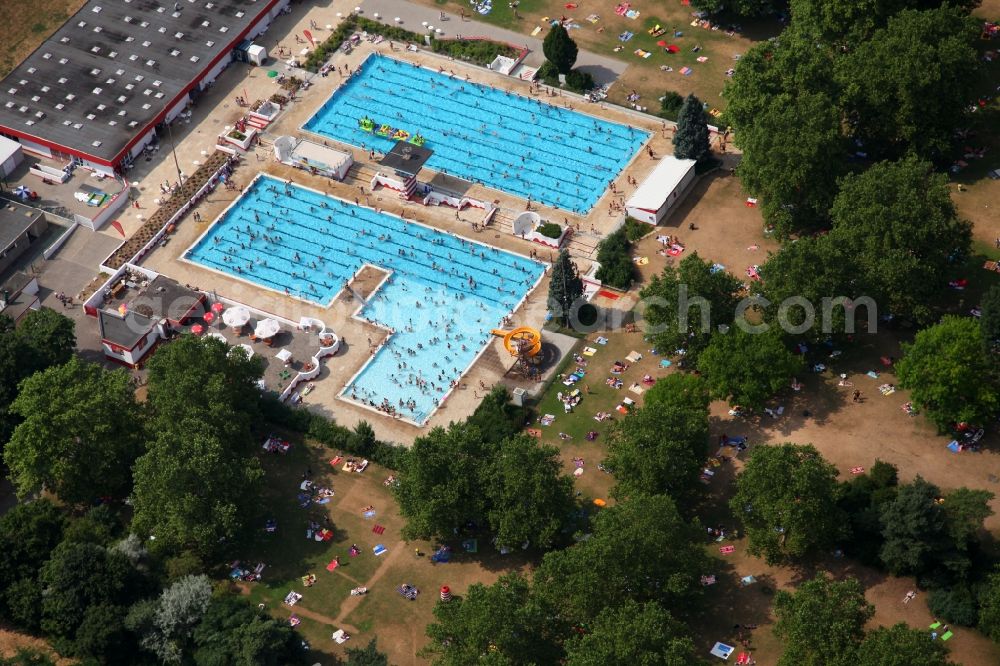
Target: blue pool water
[
  {"x": 505, "y": 141},
  {"x": 443, "y": 298}
]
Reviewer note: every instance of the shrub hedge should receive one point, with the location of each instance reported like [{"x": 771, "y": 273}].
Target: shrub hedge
[
  {"x": 476, "y": 51},
  {"x": 332, "y": 434},
  {"x": 550, "y": 230}
]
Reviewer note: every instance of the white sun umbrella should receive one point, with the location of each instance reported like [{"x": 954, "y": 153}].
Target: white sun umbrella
[
  {"x": 267, "y": 328},
  {"x": 217, "y": 336},
  {"x": 285, "y": 356},
  {"x": 236, "y": 316}
]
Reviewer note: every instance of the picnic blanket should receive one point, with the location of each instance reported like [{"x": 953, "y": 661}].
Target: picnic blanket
[
  {"x": 632, "y": 14},
  {"x": 633, "y": 357},
  {"x": 625, "y": 36},
  {"x": 379, "y": 550},
  {"x": 686, "y": 71},
  {"x": 602, "y": 340},
  {"x": 292, "y": 598},
  {"x": 537, "y": 30},
  {"x": 589, "y": 351},
  {"x": 378, "y": 529},
  {"x": 665, "y": 363},
  {"x": 332, "y": 565},
  {"x": 642, "y": 54},
  {"x": 594, "y": 18}
]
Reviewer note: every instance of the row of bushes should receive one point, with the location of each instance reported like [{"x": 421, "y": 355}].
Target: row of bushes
[
  {"x": 477, "y": 51},
  {"x": 351, "y": 24},
  {"x": 359, "y": 442},
  {"x": 495, "y": 415}
]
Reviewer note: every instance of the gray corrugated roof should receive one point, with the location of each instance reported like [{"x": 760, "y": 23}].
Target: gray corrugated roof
[{"x": 140, "y": 50}]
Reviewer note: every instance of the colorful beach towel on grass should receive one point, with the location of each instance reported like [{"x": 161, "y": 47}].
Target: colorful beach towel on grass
[
  {"x": 642, "y": 54},
  {"x": 686, "y": 71}
]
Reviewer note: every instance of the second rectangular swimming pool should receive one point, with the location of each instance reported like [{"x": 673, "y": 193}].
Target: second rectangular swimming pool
[
  {"x": 511, "y": 143},
  {"x": 443, "y": 297}
]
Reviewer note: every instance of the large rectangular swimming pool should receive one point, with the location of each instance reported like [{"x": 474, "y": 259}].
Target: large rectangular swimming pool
[
  {"x": 443, "y": 297},
  {"x": 511, "y": 143}
]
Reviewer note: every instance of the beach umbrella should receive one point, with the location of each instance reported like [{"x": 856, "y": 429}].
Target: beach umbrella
[
  {"x": 673, "y": 48},
  {"x": 245, "y": 347},
  {"x": 209, "y": 317},
  {"x": 217, "y": 336},
  {"x": 236, "y": 317},
  {"x": 22, "y": 191},
  {"x": 218, "y": 307},
  {"x": 197, "y": 329},
  {"x": 661, "y": 43},
  {"x": 267, "y": 328}
]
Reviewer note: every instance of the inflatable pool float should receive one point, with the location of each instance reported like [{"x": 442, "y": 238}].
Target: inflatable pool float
[
  {"x": 401, "y": 135},
  {"x": 417, "y": 140},
  {"x": 384, "y": 130},
  {"x": 367, "y": 124}
]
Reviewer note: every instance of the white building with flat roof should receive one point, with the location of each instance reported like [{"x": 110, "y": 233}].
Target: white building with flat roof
[{"x": 662, "y": 190}]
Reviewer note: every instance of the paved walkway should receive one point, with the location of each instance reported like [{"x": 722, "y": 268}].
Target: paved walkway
[{"x": 603, "y": 69}]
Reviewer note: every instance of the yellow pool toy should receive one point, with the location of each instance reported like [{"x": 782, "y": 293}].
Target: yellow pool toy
[{"x": 522, "y": 341}]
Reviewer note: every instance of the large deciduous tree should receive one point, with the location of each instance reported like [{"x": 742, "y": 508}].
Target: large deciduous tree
[
  {"x": 614, "y": 254},
  {"x": 43, "y": 339},
  {"x": 560, "y": 49},
  {"x": 192, "y": 491},
  {"x": 950, "y": 373},
  {"x": 901, "y": 645},
  {"x": 234, "y": 632},
  {"x": 748, "y": 368},
  {"x": 990, "y": 317},
  {"x": 822, "y": 622},
  {"x": 565, "y": 286},
  {"x": 795, "y": 178},
  {"x": 439, "y": 483},
  {"x": 197, "y": 484},
  {"x": 28, "y": 534},
  {"x": 817, "y": 270},
  {"x": 989, "y": 606},
  {"x": 786, "y": 497},
  {"x": 645, "y": 570},
  {"x": 631, "y": 635},
  {"x": 80, "y": 433},
  {"x": 907, "y": 87},
  {"x": 898, "y": 224},
  {"x": 503, "y": 623},
  {"x": 928, "y": 534},
  {"x": 661, "y": 447},
  {"x": 530, "y": 499},
  {"x": 682, "y": 308},
  {"x": 79, "y": 576},
  {"x": 691, "y": 138},
  {"x": 166, "y": 626}
]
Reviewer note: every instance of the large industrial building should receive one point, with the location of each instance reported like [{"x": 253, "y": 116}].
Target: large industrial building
[{"x": 98, "y": 90}]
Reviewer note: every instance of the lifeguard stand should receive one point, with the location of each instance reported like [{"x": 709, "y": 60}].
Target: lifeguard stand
[{"x": 406, "y": 159}]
